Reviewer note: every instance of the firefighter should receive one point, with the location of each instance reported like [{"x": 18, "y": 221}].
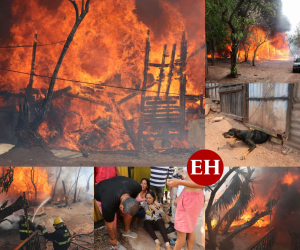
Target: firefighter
[
  {"x": 60, "y": 237},
  {"x": 23, "y": 229}
]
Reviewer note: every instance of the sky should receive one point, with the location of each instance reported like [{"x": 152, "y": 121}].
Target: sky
[{"x": 291, "y": 9}]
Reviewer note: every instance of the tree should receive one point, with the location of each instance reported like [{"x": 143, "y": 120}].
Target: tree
[
  {"x": 76, "y": 182},
  {"x": 246, "y": 41},
  {"x": 34, "y": 178},
  {"x": 235, "y": 199},
  {"x": 31, "y": 118},
  {"x": 56, "y": 180},
  {"x": 259, "y": 39},
  {"x": 294, "y": 41},
  {"x": 237, "y": 15},
  {"x": 6, "y": 180},
  {"x": 215, "y": 30}
]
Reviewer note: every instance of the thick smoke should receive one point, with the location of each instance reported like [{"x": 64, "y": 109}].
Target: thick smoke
[{"x": 278, "y": 22}]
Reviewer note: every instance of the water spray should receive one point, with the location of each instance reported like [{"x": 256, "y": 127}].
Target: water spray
[{"x": 40, "y": 207}]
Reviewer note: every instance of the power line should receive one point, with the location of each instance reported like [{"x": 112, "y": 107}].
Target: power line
[
  {"x": 24, "y": 46},
  {"x": 76, "y": 81}
]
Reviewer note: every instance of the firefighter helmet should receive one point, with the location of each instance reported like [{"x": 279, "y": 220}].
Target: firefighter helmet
[{"x": 57, "y": 222}]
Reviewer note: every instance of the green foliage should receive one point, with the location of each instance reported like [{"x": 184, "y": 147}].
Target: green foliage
[
  {"x": 6, "y": 179},
  {"x": 235, "y": 69}
]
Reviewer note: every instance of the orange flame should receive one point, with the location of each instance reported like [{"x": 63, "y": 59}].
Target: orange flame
[
  {"x": 23, "y": 182},
  {"x": 107, "y": 48}
]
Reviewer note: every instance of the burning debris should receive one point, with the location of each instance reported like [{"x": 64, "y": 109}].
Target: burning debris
[
  {"x": 120, "y": 104},
  {"x": 263, "y": 198}
]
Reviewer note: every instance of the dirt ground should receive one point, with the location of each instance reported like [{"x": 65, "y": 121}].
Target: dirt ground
[
  {"x": 78, "y": 217},
  {"x": 266, "y": 71},
  {"x": 38, "y": 157},
  {"x": 249, "y": 236},
  {"x": 268, "y": 154},
  {"x": 144, "y": 240}
]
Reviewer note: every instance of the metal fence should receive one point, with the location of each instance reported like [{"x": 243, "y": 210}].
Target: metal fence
[
  {"x": 269, "y": 107},
  {"x": 265, "y": 243},
  {"x": 31, "y": 243}
]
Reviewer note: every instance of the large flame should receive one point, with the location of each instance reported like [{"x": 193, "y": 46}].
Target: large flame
[
  {"x": 109, "y": 48},
  {"x": 26, "y": 179},
  {"x": 274, "y": 48}
]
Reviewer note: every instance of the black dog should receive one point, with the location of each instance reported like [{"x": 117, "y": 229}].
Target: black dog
[{"x": 251, "y": 137}]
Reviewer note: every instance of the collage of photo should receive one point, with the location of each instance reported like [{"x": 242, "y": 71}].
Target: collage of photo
[{"x": 103, "y": 104}]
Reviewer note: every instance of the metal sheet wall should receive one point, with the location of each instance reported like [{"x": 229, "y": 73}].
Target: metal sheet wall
[{"x": 270, "y": 114}]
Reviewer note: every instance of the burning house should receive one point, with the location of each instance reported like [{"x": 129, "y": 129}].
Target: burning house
[
  {"x": 46, "y": 193},
  {"x": 132, "y": 78},
  {"x": 255, "y": 208}
]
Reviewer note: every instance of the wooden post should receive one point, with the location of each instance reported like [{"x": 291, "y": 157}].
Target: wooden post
[
  {"x": 146, "y": 68},
  {"x": 126, "y": 126},
  {"x": 29, "y": 88},
  {"x": 171, "y": 68},
  {"x": 161, "y": 73},
  {"x": 65, "y": 192},
  {"x": 183, "y": 57}
]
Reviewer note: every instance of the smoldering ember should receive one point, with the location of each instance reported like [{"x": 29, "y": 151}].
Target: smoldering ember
[
  {"x": 254, "y": 208},
  {"x": 46, "y": 193},
  {"x": 111, "y": 83}
]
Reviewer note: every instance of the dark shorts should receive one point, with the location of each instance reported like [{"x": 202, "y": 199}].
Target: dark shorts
[{"x": 141, "y": 213}]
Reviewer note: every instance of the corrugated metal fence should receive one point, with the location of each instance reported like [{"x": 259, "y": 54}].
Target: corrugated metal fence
[{"x": 269, "y": 107}]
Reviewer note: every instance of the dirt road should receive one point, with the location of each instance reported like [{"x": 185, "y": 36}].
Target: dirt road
[
  {"x": 266, "y": 71},
  {"x": 267, "y": 154}
]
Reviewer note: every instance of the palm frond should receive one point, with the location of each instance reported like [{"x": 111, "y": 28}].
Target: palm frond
[{"x": 230, "y": 194}]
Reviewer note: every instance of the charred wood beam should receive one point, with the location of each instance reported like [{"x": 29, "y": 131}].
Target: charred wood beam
[
  {"x": 161, "y": 73},
  {"x": 171, "y": 68},
  {"x": 246, "y": 225},
  {"x": 28, "y": 90},
  {"x": 125, "y": 99},
  {"x": 103, "y": 103},
  {"x": 127, "y": 127},
  {"x": 146, "y": 68},
  {"x": 65, "y": 193},
  {"x": 20, "y": 203}
]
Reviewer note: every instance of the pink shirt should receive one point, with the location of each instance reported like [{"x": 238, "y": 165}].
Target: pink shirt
[{"x": 139, "y": 198}]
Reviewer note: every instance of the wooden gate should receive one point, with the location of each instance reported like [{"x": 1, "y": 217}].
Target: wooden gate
[{"x": 232, "y": 100}]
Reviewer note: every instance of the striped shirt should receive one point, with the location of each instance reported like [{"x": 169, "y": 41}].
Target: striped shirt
[{"x": 159, "y": 175}]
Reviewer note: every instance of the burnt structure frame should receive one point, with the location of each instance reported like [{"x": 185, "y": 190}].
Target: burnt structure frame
[{"x": 152, "y": 111}]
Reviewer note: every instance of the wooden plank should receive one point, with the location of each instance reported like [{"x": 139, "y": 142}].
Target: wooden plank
[
  {"x": 156, "y": 123},
  {"x": 231, "y": 89},
  {"x": 155, "y": 103},
  {"x": 150, "y": 98},
  {"x": 173, "y": 135},
  {"x": 270, "y": 132},
  {"x": 171, "y": 115},
  {"x": 163, "y": 110},
  {"x": 161, "y": 119},
  {"x": 235, "y": 117}
]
